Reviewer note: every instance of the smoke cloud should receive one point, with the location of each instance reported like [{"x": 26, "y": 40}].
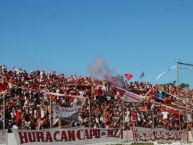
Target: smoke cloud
[{"x": 99, "y": 69}]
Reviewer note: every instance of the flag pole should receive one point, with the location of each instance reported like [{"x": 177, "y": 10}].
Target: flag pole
[
  {"x": 123, "y": 121},
  {"x": 3, "y": 111},
  {"x": 50, "y": 112},
  {"x": 153, "y": 125},
  {"x": 177, "y": 80},
  {"x": 89, "y": 112},
  {"x": 50, "y": 105},
  {"x": 157, "y": 78}
]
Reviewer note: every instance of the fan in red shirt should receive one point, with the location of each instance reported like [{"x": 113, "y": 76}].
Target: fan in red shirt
[
  {"x": 3, "y": 85},
  {"x": 134, "y": 116}
]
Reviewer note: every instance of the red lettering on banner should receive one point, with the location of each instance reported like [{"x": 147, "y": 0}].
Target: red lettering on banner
[
  {"x": 144, "y": 136},
  {"x": 110, "y": 133},
  {"x": 48, "y": 137},
  {"x": 158, "y": 135},
  {"x": 152, "y": 136},
  {"x": 55, "y": 136},
  {"x": 40, "y": 136},
  {"x": 91, "y": 133},
  {"x": 164, "y": 135},
  {"x": 23, "y": 137},
  {"x": 79, "y": 135},
  {"x": 32, "y": 136},
  {"x": 96, "y": 133},
  {"x": 175, "y": 136},
  {"x": 68, "y": 135},
  {"x": 64, "y": 136},
  {"x": 170, "y": 135},
  {"x": 148, "y": 136},
  {"x": 71, "y": 135},
  {"x": 179, "y": 135},
  {"x": 86, "y": 134},
  {"x": 117, "y": 133}
]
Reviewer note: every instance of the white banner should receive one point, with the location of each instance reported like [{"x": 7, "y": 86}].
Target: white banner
[
  {"x": 158, "y": 135},
  {"x": 66, "y": 113},
  {"x": 78, "y": 136},
  {"x": 3, "y": 136},
  {"x": 81, "y": 136}
]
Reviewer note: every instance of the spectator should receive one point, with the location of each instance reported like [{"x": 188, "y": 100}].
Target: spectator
[{"x": 28, "y": 106}]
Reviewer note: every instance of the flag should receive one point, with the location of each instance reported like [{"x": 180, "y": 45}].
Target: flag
[
  {"x": 130, "y": 96},
  {"x": 160, "y": 95},
  {"x": 128, "y": 76},
  {"x": 142, "y": 75},
  {"x": 115, "y": 80},
  {"x": 164, "y": 72},
  {"x": 174, "y": 83}
]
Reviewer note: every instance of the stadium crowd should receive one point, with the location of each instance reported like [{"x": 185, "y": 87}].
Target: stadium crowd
[{"x": 28, "y": 106}]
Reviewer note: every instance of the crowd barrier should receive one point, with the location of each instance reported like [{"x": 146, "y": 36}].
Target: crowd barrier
[{"x": 82, "y": 136}]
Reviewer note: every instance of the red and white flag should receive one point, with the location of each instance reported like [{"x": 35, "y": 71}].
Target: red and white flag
[{"x": 130, "y": 96}]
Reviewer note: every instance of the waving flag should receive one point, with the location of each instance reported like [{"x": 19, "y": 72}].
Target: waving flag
[
  {"x": 142, "y": 75},
  {"x": 130, "y": 96},
  {"x": 116, "y": 80},
  {"x": 164, "y": 72},
  {"x": 128, "y": 76}
]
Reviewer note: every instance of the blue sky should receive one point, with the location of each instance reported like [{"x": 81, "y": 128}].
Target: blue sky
[{"x": 68, "y": 35}]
